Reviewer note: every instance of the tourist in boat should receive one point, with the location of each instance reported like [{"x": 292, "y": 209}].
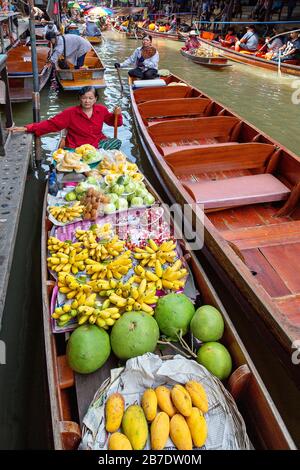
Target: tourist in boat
[
  {"x": 144, "y": 59},
  {"x": 76, "y": 48},
  {"x": 273, "y": 46},
  {"x": 83, "y": 123},
  {"x": 290, "y": 50},
  {"x": 91, "y": 28},
  {"x": 192, "y": 42},
  {"x": 230, "y": 38},
  {"x": 249, "y": 41}
]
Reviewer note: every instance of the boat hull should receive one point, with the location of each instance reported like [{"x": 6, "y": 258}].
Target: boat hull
[
  {"x": 284, "y": 330},
  {"x": 20, "y": 75}
]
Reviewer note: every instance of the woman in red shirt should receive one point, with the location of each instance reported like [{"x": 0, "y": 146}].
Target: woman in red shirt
[
  {"x": 83, "y": 123},
  {"x": 230, "y": 38}
]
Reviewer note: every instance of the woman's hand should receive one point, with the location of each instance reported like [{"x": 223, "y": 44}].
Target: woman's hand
[
  {"x": 14, "y": 129},
  {"x": 117, "y": 110}
]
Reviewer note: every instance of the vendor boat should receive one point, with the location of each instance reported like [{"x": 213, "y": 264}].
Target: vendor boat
[{"x": 71, "y": 393}]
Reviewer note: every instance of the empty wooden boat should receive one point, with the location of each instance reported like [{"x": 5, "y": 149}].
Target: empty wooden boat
[
  {"x": 91, "y": 75},
  {"x": 70, "y": 393},
  {"x": 249, "y": 186},
  {"x": 290, "y": 67},
  {"x": 20, "y": 75},
  {"x": 217, "y": 62}
]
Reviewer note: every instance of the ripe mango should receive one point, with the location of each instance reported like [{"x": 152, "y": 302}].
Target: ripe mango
[
  {"x": 164, "y": 400},
  {"x": 198, "y": 395},
  {"x": 180, "y": 433},
  {"x": 159, "y": 431},
  {"x": 181, "y": 400},
  {"x": 135, "y": 426},
  {"x": 149, "y": 404},
  {"x": 118, "y": 441},
  {"x": 198, "y": 427},
  {"x": 114, "y": 411}
]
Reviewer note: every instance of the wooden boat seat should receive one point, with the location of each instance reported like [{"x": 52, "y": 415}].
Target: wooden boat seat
[
  {"x": 174, "y": 108},
  {"x": 264, "y": 235},
  {"x": 221, "y": 157},
  {"x": 238, "y": 191},
  {"x": 213, "y": 129},
  {"x": 289, "y": 305},
  {"x": 161, "y": 93}
]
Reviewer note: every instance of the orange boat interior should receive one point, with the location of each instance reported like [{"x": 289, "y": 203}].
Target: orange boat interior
[
  {"x": 249, "y": 186},
  {"x": 19, "y": 59}
]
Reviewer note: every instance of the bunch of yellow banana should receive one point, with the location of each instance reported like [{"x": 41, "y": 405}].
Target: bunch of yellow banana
[
  {"x": 74, "y": 289},
  {"x": 73, "y": 262},
  {"x": 135, "y": 298},
  {"x": 58, "y": 155},
  {"x": 105, "y": 250},
  {"x": 169, "y": 278},
  {"x": 55, "y": 245},
  {"x": 150, "y": 253},
  {"x": 114, "y": 269},
  {"x": 64, "y": 314},
  {"x": 103, "y": 315},
  {"x": 98, "y": 231},
  {"x": 66, "y": 213}
]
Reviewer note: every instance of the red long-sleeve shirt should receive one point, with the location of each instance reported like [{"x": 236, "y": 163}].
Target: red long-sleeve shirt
[{"x": 80, "y": 129}]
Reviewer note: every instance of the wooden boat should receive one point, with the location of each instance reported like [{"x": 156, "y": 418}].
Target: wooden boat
[
  {"x": 214, "y": 62},
  {"x": 93, "y": 75},
  {"x": 20, "y": 71},
  {"x": 249, "y": 186},
  {"x": 290, "y": 67},
  {"x": 94, "y": 39},
  {"x": 157, "y": 34},
  {"x": 70, "y": 394}
]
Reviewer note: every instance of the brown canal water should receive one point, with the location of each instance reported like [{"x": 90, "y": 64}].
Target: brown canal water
[{"x": 260, "y": 97}]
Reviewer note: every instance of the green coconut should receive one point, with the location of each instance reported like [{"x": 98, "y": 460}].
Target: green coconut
[
  {"x": 173, "y": 314},
  {"x": 88, "y": 349},
  {"x": 207, "y": 324},
  {"x": 216, "y": 358},
  {"x": 134, "y": 334}
]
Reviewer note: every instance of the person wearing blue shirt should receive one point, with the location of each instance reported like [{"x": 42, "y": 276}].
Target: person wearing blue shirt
[{"x": 249, "y": 42}]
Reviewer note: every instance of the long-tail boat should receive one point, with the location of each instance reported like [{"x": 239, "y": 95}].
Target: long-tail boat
[
  {"x": 92, "y": 73},
  {"x": 71, "y": 393},
  {"x": 20, "y": 73},
  {"x": 167, "y": 35},
  {"x": 216, "y": 61},
  {"x": 94, "y": 39},
  {"x": 208, "y": 157},
  {"x": 289, "y": 67}
]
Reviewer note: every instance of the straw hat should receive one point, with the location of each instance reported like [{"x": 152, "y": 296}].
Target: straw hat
[{"x": 192, "y": 33}]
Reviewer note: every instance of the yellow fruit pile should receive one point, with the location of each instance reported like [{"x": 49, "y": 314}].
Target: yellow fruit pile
[
  {"x": 104, "y": 250},
  {"x": 180, "y": 417},
  {"x": 114, "y": 269},
  {"x": 150, "y": 253},
  {"x": 66, "y": 214},
  {"x": 71, "y": 262},
  {"x": 169, "y": 278}
]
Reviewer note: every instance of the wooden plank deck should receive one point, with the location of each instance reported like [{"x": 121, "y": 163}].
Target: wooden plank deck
[{"x": 13, "y": 172}]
